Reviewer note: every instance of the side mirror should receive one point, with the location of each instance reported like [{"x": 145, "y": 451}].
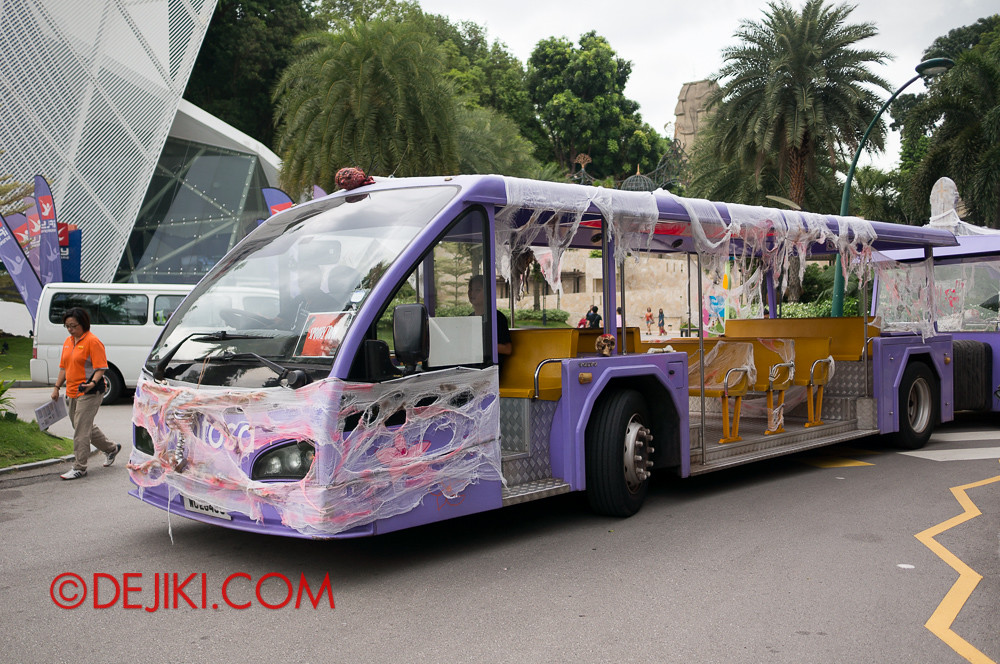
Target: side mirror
[{"x": 411, "y": 336}]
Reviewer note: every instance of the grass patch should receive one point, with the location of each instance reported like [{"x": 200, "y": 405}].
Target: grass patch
[
  {"x": 23, "y": 442},
  {"x": 17, "y": 357}
]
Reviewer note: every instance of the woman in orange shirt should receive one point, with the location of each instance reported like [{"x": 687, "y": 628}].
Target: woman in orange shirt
[{"x": 81, "y": 368}]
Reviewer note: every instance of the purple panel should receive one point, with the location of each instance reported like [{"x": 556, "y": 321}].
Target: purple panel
[
  {"x": 890, "y": 356},
  {"x": 479, "y": 497},
  {"x": 569, "y": 427},
  {"x": 270, "y": 525}
]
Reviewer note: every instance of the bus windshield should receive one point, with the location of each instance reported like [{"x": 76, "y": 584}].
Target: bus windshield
[{"x": 290, "y": 291}]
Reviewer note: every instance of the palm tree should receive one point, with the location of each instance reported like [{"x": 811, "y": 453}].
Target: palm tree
[
  {"x": 371, "y": 95},
  {"x": 491, "y": 143},
  {"x": 793, "y": 89},
  {"x": 965, "y": 146}
]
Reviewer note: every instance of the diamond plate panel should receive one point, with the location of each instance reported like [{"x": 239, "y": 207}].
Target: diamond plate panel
[
  {"x": 849, "y": 379},
  {"x": 532, "y": 421}
]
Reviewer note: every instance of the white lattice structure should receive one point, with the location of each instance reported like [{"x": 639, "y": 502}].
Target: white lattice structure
[{"x": 90, "y": 89}]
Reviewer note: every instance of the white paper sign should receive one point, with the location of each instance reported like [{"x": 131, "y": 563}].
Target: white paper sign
[{"x": 50, "y": 412}]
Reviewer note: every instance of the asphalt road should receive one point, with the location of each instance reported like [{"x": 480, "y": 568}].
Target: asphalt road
[{"x": 803, "y": 559}]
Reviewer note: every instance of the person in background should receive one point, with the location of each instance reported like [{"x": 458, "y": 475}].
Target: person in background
[
  {"x": 649, "y": 320},
  {"x": 660, "y": 320},
  {"x": 81, "y": 368},
  {"x": 594, "y": 318},
  {"x": 478, "y": 300},
  {"x": 618, "y": 317}
]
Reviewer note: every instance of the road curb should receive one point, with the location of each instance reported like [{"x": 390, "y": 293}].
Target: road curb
[{"x": 42, "y": 464}]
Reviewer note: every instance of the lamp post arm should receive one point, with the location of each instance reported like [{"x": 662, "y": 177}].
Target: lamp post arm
[
  {"x": 837, "y": 306},
  {"x": 846, "y": 198}
]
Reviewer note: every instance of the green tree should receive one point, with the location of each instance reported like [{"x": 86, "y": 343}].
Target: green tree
[
  {"x": 578, "y": 95},
  {"x": 964, "y": 110},
  {"x": 371, "y": 95},
  {"x": 795, "y": 89},
  {"x": 875, "y": 195},
  {"x": 489, "y": 142},
  {"x": 248, "y": 44},
  {"x": 12, "y": 193},
  {"x": 963, "y": 39},
  {"x": 916, "y": 139}
]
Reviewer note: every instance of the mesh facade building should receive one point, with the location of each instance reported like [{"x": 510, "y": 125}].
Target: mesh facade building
[{"x": 92, "y": 100}]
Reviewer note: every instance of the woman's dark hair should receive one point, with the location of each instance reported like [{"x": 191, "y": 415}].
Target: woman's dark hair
[{"x": 81, "y": 316}]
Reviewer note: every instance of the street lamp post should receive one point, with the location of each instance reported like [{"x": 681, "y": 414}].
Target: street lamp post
[{"x": 928, "y": 68}]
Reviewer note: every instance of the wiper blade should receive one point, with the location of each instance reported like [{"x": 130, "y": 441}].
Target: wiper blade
[
  {"x": 296, "y": 378},
  {"x": 221, "y": 335}
]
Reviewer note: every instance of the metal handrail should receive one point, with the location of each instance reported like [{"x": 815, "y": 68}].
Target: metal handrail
[{"x": 538, "y": 370}]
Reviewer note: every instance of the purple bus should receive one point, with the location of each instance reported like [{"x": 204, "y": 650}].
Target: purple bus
[
  {"x": 965, "y": 303},
  {"x": 373, "y": 402}
]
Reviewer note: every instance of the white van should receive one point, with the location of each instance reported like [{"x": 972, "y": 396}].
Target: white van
[{"x": 127, "y": 318}]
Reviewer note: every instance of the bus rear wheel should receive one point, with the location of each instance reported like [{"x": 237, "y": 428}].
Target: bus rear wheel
[
  {"x": 618, "y": 454},
  {"x": 918, "y": 404}
]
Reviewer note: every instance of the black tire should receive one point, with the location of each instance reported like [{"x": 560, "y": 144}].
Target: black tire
[
  {"x": 918, "y": 407},
  {"x": 114, "y": 386},
  {"x": 616, "y": 483}
]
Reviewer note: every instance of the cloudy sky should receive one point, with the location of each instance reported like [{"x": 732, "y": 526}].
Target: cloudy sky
[{"x": 670, "y": 42}]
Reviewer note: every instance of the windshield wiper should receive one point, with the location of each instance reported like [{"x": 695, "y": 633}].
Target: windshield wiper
[
  {"x": 221, "y": 335},
  {"x": 294, "y": 378}
]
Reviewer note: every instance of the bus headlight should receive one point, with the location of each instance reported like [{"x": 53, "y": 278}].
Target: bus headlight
[
  {"x": 285, "y": 462},
  {"x": 142, "y": 440}
]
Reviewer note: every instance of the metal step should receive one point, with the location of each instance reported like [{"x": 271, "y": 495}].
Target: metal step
[
  {"x": 533, "y": 490},
  {"x": 755, "y": 447}
]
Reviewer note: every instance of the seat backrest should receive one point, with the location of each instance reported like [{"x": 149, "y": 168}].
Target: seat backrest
[
  {"x": 847, "y": 333},
  {"x": 530, "y": 347}
]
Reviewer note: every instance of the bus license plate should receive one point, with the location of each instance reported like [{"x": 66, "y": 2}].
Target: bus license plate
[{"x": 206, "y": 509}]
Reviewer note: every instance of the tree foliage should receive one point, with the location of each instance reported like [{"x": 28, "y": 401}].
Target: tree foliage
[
  {"x": 963, "y": 110},
  {"x": 248, "y": 44},
  {"x": 12, "y": 193},
  {"x": 795, "y": 88},
  {"x": 578, "y": 94},
  {"x": 794, "y": 92},
  {"x": 371, "y": 94}
]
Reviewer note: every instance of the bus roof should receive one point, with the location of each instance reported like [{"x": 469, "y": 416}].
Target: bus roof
[
  {"x": 966, "y": 246},
  {"x": 674, "y": 221}
]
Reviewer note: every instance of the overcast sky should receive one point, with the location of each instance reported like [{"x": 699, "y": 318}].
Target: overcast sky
[{"x": 670, "y": 43}]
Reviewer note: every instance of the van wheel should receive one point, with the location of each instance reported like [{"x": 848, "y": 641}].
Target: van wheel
[
  {"x": 918, "y": 404},
  {"x": 618, "y": 454},
  {"x": 114, "y": 386}
]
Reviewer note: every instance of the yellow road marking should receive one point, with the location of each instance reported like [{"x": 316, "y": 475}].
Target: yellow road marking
[
  {"x": 834, "y": 462},
  {"x": 947, "y": 611}
]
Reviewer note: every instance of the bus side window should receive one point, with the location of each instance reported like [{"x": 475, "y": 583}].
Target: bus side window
[{"x": 440, "y": 281}]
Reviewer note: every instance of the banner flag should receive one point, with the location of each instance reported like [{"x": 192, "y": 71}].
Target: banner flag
[
  {"x": 49, "y": 262},
  {"x": 71, "y": 262},
  {"x": 34, "y": 232},
  {"x": 25, "y": 279},
  {"x": 318, "y": 192},
  {"x": 17, "y": 223},
  {"x": 276, "y": 200}
]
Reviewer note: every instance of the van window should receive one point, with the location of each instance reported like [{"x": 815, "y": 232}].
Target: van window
[
  {"x": 163, "y": 307},
  {"x": 104, "y": 308}
]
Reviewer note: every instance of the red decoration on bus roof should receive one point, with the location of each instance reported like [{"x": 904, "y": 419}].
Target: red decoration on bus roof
[{"x": 352, "y": 178}]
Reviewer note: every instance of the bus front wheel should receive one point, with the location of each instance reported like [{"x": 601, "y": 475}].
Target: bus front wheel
[
  {"x": 918, "y": 404},
  {"x": 618, "y": 454}
]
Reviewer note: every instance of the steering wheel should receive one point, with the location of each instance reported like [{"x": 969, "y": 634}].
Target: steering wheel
[{"x": 244, "y": 320}]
